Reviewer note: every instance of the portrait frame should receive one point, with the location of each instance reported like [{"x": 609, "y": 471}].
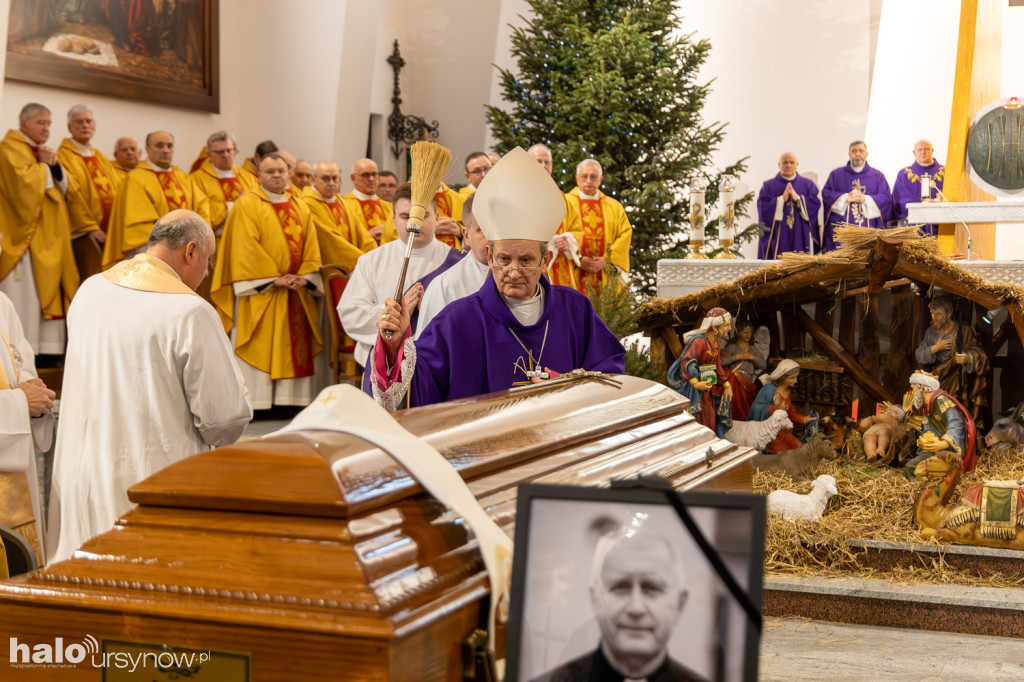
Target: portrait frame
[
  {"x": 40, "y": 68},
  {"x": 551, "y": 620}
]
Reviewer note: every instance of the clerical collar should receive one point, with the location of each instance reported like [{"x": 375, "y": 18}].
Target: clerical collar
[
  {"x": 791, "y": 178},
  {"x": 590, "y": 197},
  {"x": 83, "y": 149},
  {"x": 926, "y": 165},
  {"x": 229, "y": 173},
  {"x": 528, "y": 310},
  {"x": 858, "y": 170},
  {"x": 334, "y": 197},
  {"x": 364, "y": 197},
  {"x": 274, "y": 197},
  {"x": 34, "y": 145},
  {"x": 602, "y": 669},
  {"x": 160, "y": 169}
]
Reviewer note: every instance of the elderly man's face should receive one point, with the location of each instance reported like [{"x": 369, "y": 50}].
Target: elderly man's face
[
  {"x": 858, "y": 155},
  {"x": 37, "y": 127},
  {"x": 639, "y": 599},
  {"x": 543, "y": 157},
  {"x": 788, "y": 165},
  {"x": 222, "y": 154},
  {"x": 589, "y": 179},
  {"x": 160, "y": 148},
  {"x": 923, "y": 153},
  {"x": 517, "y": 266},
  {"x": 302, "y": 176},
  {"x": 365, "y": 177},
  {"x": 327, "y": 180},
  {"x": 127, "y": 152},
  {"x": 82, "y": 127}
]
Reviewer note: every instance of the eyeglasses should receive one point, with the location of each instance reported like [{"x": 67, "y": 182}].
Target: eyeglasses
[
  {"x": 506, "y": 264},
  {"x": 367, "y": 176},
  {"x": 223, "y": 151},
  {"x": 479, "y": 171},
  {"x": 329, "y": 178}
]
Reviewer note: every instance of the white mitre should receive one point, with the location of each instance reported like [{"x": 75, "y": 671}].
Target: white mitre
[{"x": 517, "y": 199}]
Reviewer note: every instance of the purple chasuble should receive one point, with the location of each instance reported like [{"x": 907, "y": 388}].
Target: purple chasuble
[
  {"x": 840, "y": 181},
  {"x": 453, "y": 257},
  {"x": 471, "y": 346},
  {"x": 791, "y": 232},
  {"x": 907, "y": 190}
]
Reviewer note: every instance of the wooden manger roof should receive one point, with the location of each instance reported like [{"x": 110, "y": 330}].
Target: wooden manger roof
[{"x": 868, "y": 261}]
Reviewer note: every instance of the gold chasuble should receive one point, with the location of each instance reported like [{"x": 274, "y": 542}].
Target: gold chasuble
[
  {"x": 370, "y": 213},
  {"x": 277, "y": 329},
  {"x": 563, "y": 270},
  {"x": 250, "y": 172},
  {"x": 449, "y": 205},
  {"x": 604, "y": 232},
  {"x": 341, "y": 242},
  {"x": 147, "y": 194},
  {"x": 221, "y": 191},
  {"x": 35, "y": 219},
  {"x": 90, "y": 203},
  {"x": 120, "y": 173}
]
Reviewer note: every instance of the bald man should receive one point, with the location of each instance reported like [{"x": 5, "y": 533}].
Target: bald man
[
  {"x": 302, "y": 174},
  {"x": 127, "y": 155},
  {"x": 342, "y": 240},
  {"x": 364, "y": 206},
  {"x": 788, "y": 205},
  {"x": 150, "y": 379},
  {"x": 907, "y": 189},
  {"x": 156, "y": 187}
]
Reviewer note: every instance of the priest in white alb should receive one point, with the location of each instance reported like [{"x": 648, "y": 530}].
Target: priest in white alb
[
  {"x": 462, "y": 279},
  {"x": 150, "y": 379},
  {"x": 26, "y": 423}
]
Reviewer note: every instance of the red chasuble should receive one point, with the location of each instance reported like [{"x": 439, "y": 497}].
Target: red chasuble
[
  {"x": 104, "y": 186},
  {"x": 373, "y": 212},
  {"x": 340, "y": 221},
  {"x": 298, "y": 324},
  {"x": 592, "y": 218},
  {"x": 562, "y": 272},
  {"x": 173, "y": 190},
  {"x": 231, "y": 187}
]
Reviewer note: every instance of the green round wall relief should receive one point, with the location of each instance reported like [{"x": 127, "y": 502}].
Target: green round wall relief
[{"x": 994, "y": 147}]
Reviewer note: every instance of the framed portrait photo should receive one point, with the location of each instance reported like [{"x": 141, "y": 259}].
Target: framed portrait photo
[
  {"x": 609, "y": 583},
  {"x": 159, "y": 51}
]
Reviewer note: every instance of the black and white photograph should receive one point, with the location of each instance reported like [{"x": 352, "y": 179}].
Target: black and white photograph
[{"x": 609, "y": 584}]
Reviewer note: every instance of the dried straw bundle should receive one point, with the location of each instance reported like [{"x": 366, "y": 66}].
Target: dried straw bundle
[
  {"x": 855, "y": 238},
  {"x": 872, "y": 504}
]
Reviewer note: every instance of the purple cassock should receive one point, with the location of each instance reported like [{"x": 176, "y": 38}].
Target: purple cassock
[
  {"x": 476, "y": 345},
  {"x": 840, "y": 181},
  {"x": 453, "y": 257},
  {"x": 907, "y": 190},
  {"x": 792, "y": 226}
]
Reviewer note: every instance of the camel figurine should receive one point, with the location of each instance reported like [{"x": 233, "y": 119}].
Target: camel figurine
[{"x": 990, "y": 514}]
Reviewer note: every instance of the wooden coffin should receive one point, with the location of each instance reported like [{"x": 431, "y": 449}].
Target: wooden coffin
[{"x": 313, "y": 555}]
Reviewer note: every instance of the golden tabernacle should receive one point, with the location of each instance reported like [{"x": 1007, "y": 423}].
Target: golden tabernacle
[{"x": 314, "y": 555}]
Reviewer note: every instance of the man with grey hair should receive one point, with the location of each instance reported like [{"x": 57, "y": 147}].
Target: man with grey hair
[
  {"x": 637, "y": 593},
  {"x": 150, "y": 379},
  {"x": 90, "y": 172},
  {"x": 605, "y": 234},
  {"x": 127, "y": 155},
  {"x": 220, "y": 179},
  {"x": 541, "y": 153},
  {"x": 37, "y": 267}
]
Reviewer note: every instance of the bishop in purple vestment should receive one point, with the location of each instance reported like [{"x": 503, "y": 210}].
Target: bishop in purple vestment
[
  {"x": 907, "y": 188},
  {"x": 788, "y": 204},
  {"x": 856, "y": 194},
  {"x": 518, "y": 328}
]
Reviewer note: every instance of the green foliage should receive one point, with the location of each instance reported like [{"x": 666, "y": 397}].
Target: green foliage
[
  {"x": 614, "y": 303},
  {"x": 615, "y": 80}
]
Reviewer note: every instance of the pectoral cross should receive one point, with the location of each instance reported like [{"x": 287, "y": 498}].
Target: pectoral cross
[{"x": 526, "y": 366}]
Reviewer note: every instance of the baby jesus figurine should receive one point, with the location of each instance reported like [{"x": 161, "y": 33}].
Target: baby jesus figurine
[{"x": 878, "y": 430}]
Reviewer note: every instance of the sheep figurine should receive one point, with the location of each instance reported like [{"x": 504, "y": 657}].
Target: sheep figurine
[
  {"x": 794, "y": 507},
  {"x": 758, "y": 434}
]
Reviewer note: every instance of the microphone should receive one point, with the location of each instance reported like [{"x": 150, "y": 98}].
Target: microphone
[{"x": 970, "y": 239}]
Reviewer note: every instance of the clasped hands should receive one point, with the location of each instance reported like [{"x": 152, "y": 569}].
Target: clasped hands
[
  {"x": 40, "y": 398},
  {"x": 293, "y": 282}
]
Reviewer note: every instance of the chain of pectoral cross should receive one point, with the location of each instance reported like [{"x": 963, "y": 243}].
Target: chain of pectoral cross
[{"x": 530, "y": 372}]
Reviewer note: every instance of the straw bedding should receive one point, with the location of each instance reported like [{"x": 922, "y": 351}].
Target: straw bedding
[{"x": 872, "y": 504}]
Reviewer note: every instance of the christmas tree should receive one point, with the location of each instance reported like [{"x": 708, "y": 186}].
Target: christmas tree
[{"x": 616, "y": 81}]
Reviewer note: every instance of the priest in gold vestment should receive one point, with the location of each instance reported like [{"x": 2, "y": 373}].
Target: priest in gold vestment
[
  {"x": 364, "y": 206},
  {"x": 604, "y": 230},
  {"x": 37, "y": 267},
  {"x": 268, "y": 291},
  {"x": 154, "y": 188},
  {"x": 95, "y": 183},
  {"x": 341, "y": 240},
  {"x": 127, "y": 155},
  {"x": 220, "y": 179}
]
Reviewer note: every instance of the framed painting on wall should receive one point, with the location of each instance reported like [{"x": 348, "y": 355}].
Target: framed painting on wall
[{"x": 159, "y": 51}]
